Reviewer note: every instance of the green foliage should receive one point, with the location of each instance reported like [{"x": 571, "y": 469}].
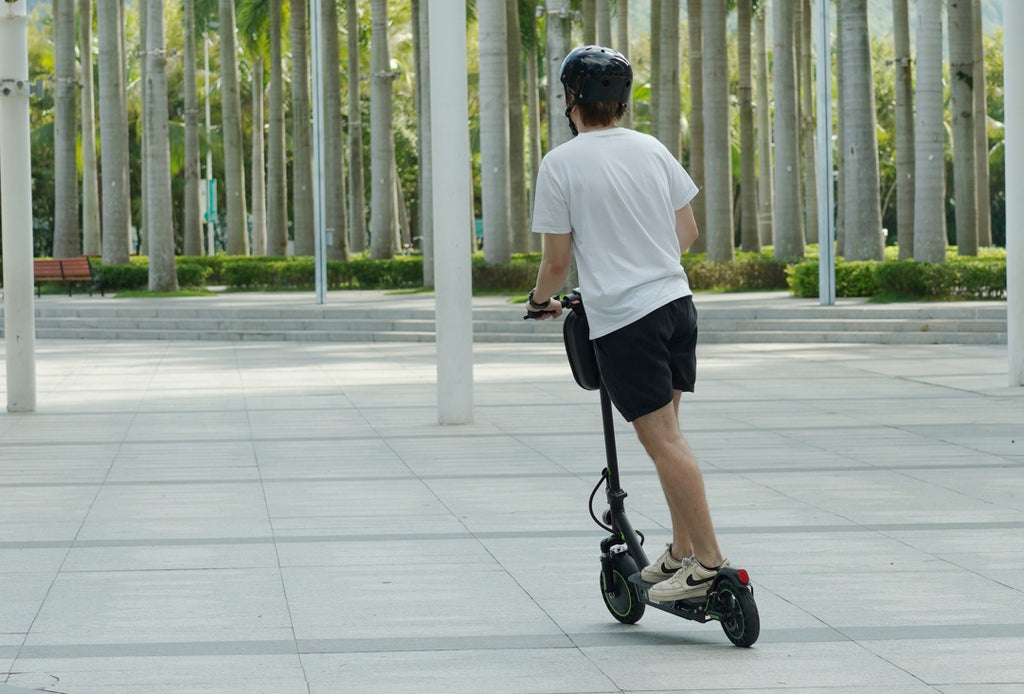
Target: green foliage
[
  {"x": 749, "y": 271},
  {"x": 957, "y": 278}
]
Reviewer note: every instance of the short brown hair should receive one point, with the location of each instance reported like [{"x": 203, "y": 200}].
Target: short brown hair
[{"x": 601, "y": 113}]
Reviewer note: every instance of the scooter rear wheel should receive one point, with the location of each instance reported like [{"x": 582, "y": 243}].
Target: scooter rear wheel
[
  {"x": 740, "y": 619},
  {"x": 622, "y": 597}
]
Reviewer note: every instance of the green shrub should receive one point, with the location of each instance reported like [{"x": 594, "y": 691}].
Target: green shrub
[{"x": 957, "y": 278}]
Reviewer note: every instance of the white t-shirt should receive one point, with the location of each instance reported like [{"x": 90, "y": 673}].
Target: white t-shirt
[{"x": 617, "y": 192}]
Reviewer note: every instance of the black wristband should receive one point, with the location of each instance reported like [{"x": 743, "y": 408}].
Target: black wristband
[{"x": 535, "y": 305}]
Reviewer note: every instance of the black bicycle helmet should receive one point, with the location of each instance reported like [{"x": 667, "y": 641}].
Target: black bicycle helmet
[
  {"x": 595, "y": 73},
  {"x": 592, "y": 74}
]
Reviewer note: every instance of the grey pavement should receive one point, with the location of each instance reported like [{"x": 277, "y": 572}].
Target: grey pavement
[{"x": 285, "y": 517}]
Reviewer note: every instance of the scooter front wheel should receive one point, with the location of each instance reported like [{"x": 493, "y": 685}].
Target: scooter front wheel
[{"x": 621, "y": 597}]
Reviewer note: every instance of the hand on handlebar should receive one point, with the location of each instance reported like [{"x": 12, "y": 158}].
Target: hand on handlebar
[{"x": 553, "y": 310}]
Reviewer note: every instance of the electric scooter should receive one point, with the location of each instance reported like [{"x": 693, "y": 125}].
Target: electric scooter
[{"x": 730, "y": 599}]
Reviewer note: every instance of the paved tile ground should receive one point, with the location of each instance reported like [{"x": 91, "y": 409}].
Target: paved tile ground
[{"x": 280, "y": 518}]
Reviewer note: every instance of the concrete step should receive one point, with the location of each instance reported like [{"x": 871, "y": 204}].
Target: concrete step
[{"x": 377, "y": 317}]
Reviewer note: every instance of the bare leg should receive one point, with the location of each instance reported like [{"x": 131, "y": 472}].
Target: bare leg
[{"x": 682, "y": 483}]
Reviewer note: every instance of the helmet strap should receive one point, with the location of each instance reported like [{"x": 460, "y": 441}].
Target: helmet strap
[{"x": 568, "y": 110}]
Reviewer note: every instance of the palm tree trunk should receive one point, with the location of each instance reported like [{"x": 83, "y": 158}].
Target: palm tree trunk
[
  {"x": 426, "y": 177},
  {"x": 961, "y": 78},
  {"x": 981, "y": 130},
  {"x": 66, "y": 242},
  {"x": 162, "y": 273},
  {"x": 382, "y": 145},
  {"x": 533, "y": 109},
  {"x": 929, "y": 134},
  {"x": 494, "y": 159},
  {"x": 519, "y": 215},
  {"x": 749, "y": 238},
  {"x": 765, "y": 188},
  {"x": 808, "y": 127},
  {"x": 603, "y": 20},
  {"x": 334, "y": 136},
  {"x": 277, "y": 174},
  {"x": 904, "y": 131},
  {"x": 863, "y": 207},
  {"x": 231, "y": 117},
  {"x": 193, "y": 231},
  {"x": 695, "y": 161},
  {"x": 622, "y": 46},
  {"x": 302, "y": 134},
  {"x": 357, "y": 190},
  {"x": 789, "y": 238},
  {"x": 116, "y": 196},
  {"x": 558, "y": 31},
  {"x": 668, "y": 78},
  {"x": 718, "y": 151},
  {"x": 91, "y": 241},
  {"x": 259, "y": 178},
  {"x": 589, "y": 22},
  {"x": 655, "y": 93}
]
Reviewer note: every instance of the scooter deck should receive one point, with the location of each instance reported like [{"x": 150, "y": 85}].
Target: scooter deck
[{"x": 694, "y": 609}]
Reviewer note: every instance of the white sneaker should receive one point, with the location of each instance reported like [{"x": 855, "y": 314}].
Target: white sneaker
[
  {"x": 665, "y": 567},
  {"x": 691, "y": 581}
]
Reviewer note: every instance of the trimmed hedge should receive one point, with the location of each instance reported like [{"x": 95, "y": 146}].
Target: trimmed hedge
[{"x": 960, "y": 278}]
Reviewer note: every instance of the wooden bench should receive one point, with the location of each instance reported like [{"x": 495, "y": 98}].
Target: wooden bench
[{"x": 67, "y": 270}]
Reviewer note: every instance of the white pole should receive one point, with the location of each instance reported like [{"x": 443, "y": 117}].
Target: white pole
[
  {"x": 1013, "y": 86},
  {"x": 211, "y": 203},
  {"x": 826, "y": 222},
  {"x": 16, "y": 213},
  {"x": 319, "y": 181},
  {"x": 450, "y": 167}
]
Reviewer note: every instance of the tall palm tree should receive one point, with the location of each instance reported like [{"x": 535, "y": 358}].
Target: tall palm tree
[
  {"x": 193, "y": 231},
  {"x": 808, "y": 126},
  {"x": 668, "y": 78},
  {"x": 557, "y": 47},
  {"x": 253, "y": 29},
  {"x": 622, "y": 46},
  {"x": 90, "y": 181},
  {"x": 860, "y": 142},
  {"x": 981, "y": 130},
  {"x": 334, "y": 145},
  {"x": 231, "y": 116},
  {"x": 259, "y": 171},
  {"x": 749, "y": 237},
  {"x": 357, "y": 192},
  {"x": 717, "y": 148},
  {"x": 695, "y": 163},
  {"x": 929, "y": 169},
  {"x": 116, "y": 195},
  {"x": 494, "y": 159},
  {"x": 603, "y": 22},
  {"x": 519, "y": 215},
  {"x": 789, "y": 238},
  {"x": 765, "y": 187},
  {"x": 277, "y": 174},
  {"x": 382, "y": 144},
  {"x": 421, "y": 19},
  {"x": 66, "y": 242},
  {"x": 961, "y": 78},
  {"x": 162, "y": 273},
  {"x": 302, "y": 133},
  {"x": 904, "y": 130}
]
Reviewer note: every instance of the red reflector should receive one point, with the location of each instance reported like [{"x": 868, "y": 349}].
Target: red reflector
[{"x": 743, "y": 576}]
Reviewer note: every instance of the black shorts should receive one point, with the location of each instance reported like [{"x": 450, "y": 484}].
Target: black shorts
[{"x": 643, "y": 363}]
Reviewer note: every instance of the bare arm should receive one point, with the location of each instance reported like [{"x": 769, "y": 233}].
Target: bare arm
[
  {"x": 554, "y": 269},
  {"x": 686, "y": 228}
]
